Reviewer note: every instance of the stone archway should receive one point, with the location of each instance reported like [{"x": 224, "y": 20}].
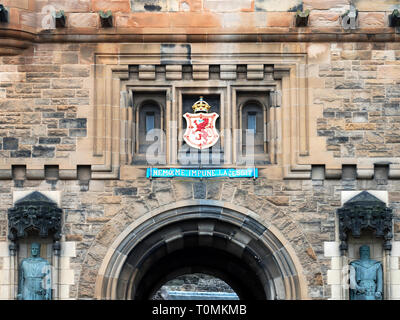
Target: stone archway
[{"x": 201, "y": 236}]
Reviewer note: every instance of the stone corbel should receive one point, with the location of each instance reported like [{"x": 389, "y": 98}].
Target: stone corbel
[
  {"x": 394, "y": 18},
  {"x": 302, "y": 18},
  {"x": 60, "y": 19},
  {"x": 106, "y": 19},
  {"x": 3, "y": 14}
]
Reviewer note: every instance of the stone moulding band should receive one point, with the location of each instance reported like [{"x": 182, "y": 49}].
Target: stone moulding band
[
  {"x": 14, "y": 41},
  {"x": 202, "y": 173}
]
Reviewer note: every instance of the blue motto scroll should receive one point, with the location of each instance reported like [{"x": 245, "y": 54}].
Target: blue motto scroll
[{"x": 202, "y": 173}]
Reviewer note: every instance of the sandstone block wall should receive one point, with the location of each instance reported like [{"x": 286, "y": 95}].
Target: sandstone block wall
[{"x": 46, "y": 115}]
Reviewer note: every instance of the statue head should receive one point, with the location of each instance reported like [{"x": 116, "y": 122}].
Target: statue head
[
  {"x": 35, "y": 249},
  {"x": 364, "y": 252}
]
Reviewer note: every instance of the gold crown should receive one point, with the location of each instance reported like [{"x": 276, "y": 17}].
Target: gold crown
[{"x": 201, "y": 106}]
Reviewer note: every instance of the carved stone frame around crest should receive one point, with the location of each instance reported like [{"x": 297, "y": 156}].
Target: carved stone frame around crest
[{"x": 362, "y": 212}]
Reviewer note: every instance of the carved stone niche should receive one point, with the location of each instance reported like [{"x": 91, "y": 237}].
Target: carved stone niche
[
  {"x": 34, "y": 213},
  {"x": 365, "y": 212}
]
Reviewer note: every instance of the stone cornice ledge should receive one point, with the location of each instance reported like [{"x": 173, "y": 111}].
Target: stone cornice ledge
[{"x": 14, "y": 41}]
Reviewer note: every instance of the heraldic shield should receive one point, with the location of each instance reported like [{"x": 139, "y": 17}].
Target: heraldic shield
[{"x": 201, "y": 132}]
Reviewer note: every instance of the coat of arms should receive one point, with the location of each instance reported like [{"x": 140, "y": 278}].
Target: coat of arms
[{"x": 200, "y": 131}]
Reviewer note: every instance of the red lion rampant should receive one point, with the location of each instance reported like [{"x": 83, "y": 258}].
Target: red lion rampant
[
  {"x": 200, "y": 131},
  {"x": 201, "y": 127}
]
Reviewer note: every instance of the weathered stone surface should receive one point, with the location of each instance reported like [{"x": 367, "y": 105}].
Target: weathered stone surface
[
  {"x": 183, "y": 190},
  {"x": 318, "y": 280},
  {"x": 12, "y": 105},
  {"x": 109, "y": 199},
  {"x": 280, "y": 19},
  {"x": 82, "y": 20},
  {"x": 199, "y": 190},
  {"x": 10, "y": 143},
  {"x": 31, "y": 118},
  {"x": 356, "y": 55},
  {"x": 78, "y": 132},
  {"x": 227, "y": 5},
  {"x": 388, "y": 72},
  {"x": 271, "y": 5},
  {"x": 58, "y": 132},
  {"x": 72, "y": 71},
  {"x": 391, "y": 109},
  {"x": 154, "y": 5},
  {"x": 113, "y": 5},
  {"x": 324, "y": 19},
  {"x": 213, "y": 190},
  {"x": 59, "y": 93},
  {"x": 66, "y": 83},
  {"x": 262, "y": 190},
  {"x": 386, "y": 5},
  {"x": 372, "y": 20},
  {"x": 279, "y": 200},
  {"x": 20, "y": 154},
  {"x": 65, "y": 5},
  {"x": 66, "y": 147},
  {"x": 125, "y": 191},
  {"x": 326, "y": 4},
  {"x": 142, "y": 20},
  {"x": 73, "y": 123},
  {"x": 360, "y": 126},
  {"x": 73, "y": 237},
  {"x": 43, "y": 152},
  {"x": 311, "y": 253},
  {"x": 348, "y": 84}
]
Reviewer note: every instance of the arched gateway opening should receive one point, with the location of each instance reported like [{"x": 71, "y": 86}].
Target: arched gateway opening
[{"x": 220, "y": 242}]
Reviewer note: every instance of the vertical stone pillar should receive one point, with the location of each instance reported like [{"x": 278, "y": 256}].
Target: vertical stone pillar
[
  {"x": 345, "y": 272},
  {"x": 13, "y": 252},
  {"x": 56, "y": 271},
  {"x": 394, "y": 278},
  {"x": 6, "y": 272},
  {"x": 386, "y": 275},
  {"x": 66, "y": 273},
  {"x": 335, "y": 274}
]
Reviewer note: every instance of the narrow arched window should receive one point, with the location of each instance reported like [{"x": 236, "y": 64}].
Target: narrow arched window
[
  {"x": 253, "y": 128},
  {"x": 149, "y": 121},
  {"x": 149, "y": 135}
]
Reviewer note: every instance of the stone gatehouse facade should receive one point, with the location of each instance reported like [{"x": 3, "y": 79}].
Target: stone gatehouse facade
[{"x": 77, "y": 99}]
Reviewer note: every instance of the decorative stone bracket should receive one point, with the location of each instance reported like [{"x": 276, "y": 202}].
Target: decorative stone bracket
[
  {"x": 106, "y": 19},
  {"x": 365, "y": 211},
  {"x": 3, "y": 14},
  {"x": 302, "y": 18},
  {"x": 394, "y": 18},
  {"x": 34, "y": 212},
  {"x": 60, "y": 19}
]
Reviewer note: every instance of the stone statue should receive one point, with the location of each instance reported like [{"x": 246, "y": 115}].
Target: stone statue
[
  {"x": 366, "y": 280},
  {"x": 34, "y": 277}
]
